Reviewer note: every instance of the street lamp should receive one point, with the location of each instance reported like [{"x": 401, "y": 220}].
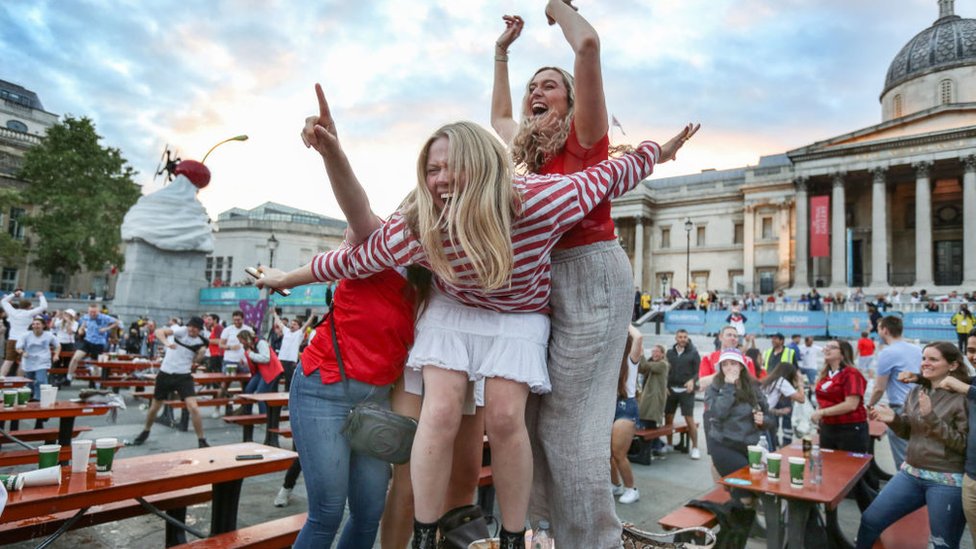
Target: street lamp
[
  {"x": 272, "y": 246},
  {"x": 688, "y": 227}
]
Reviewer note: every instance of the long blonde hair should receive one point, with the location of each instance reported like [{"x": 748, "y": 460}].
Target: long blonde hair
[
  {"x": 539, "y": 138},
  {"x": 479, "y": 217}
]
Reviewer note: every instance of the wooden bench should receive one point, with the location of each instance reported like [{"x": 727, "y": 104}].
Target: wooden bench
[
  {"x": 643, "y": 438},
  {"x": 909, "y": 532},
  {"x": 249, "y": 421},
  {"x": 179, "y": 404},
  {"x": 48, "y": 436},
  {"x": 46, "y": 525},
  {"x": 282, "y": 431},
  {"x": 274, "y": 534},
  {"x": 689, "y": 517}
]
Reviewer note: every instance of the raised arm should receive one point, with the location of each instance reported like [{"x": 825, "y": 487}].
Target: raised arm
[
  {"x": 590, "y": 106},
  {"x": 42, "y": 306},
  {"x": 320, "y": 133},
  {"x": 502, "y": 116},
  {"x": 276, "y": 319}
]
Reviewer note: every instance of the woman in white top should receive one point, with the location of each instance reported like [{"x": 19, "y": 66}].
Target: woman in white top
[
  {"x": 784, "y": 382},
  {"x": 65, "y": 326},
  {"x": 625, "y": 419},
  {"x": 291, "y": 341}
]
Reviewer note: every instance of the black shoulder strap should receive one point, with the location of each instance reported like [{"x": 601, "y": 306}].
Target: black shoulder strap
[{"x": 191, "y": 348}]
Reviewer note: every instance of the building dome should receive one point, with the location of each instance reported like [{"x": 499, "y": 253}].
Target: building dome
[{"x": 950, "y": 42}]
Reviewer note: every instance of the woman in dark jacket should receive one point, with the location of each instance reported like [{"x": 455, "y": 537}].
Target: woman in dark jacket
[{"x": 737, "y": 414}]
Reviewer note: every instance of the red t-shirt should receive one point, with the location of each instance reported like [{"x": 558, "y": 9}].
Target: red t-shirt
[
  {"x": 597, "y": 226},
  {"x": 215, "y": 349},
  {"x": 709, "y": 365},
  {"x": 834, "y": 390},
  {"x": 374, "y": 319},
  {"x": 865, "y": 347}
]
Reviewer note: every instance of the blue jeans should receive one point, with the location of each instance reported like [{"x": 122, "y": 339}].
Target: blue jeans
[
  {"x": 904, "y": 494},
  {"x": 333, "y": 473},
  {"x": 257, "y": 385},
  {"x": 40, "y": 378}
]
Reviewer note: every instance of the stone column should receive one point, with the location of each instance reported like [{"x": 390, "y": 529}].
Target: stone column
[
  {"x": 879, "y": 229},
  {"x": 838, "y": 235},
  {"x": 783, "y": 267},
  {"x": 923, "y": 225},
  {"x": 749, "y": 248},
  {"x": 639, "y": 252},
  {"x": 801, "y": 278},
  {"x": 969, "y": 222}
]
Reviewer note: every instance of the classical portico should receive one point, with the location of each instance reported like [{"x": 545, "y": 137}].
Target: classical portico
[{"x": 901, "y": 194}]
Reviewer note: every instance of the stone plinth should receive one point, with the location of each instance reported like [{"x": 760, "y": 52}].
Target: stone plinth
[{"x": 158, "y": 283}]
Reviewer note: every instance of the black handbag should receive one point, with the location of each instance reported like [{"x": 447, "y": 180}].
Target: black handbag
[
  {"x": 371, "y": 429},
  {"x": 462, "y": 525}
]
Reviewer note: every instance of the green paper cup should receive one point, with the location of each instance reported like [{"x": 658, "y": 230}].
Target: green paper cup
[
  {"x": 773, "y": 462},
  {"x": 47, "y": 455},
  {"x": 23, "y": 396},
  {"x": 755, "y": 457},
  {"x": 797, "y": 466},
  {"x": 12, "y": 482},
  {"x": 9, "y": 398},
  {"x": 231, "y": 369},
  {"x": 104, "y": 454}
]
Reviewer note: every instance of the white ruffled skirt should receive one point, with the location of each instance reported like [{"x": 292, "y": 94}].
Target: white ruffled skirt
[{"x": 482, "y": 343}]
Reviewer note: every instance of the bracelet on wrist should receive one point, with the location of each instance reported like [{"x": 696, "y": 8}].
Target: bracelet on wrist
[{"x": 503, "y": 58}]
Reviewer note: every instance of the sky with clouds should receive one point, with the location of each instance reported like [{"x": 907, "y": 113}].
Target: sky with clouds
[{"x": 762, "y": 76}]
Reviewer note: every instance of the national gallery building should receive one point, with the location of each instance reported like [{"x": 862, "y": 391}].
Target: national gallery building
[{"x": 892, "y": 204}]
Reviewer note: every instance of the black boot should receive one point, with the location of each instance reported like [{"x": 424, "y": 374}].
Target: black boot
[
  {"x": 424, "y": 535},
  {"x": 143, "y": 436},
  {"x": 512, "y": 540}
]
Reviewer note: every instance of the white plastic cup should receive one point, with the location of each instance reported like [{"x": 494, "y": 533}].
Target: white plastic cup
[
  {"x": 42, "y": 477},
  {"x": 48, "y": 396},
  {"x": 80, "y": 455}
]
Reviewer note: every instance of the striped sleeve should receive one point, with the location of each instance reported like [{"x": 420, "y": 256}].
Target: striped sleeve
[
  {"x": 564, "y": 200},
  {"x": 391, "y": 245}
]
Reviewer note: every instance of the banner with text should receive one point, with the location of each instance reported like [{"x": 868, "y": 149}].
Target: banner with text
[
  {"x": 716, "y": 320},
  {"x": 805, "y": 323},
  {"x": 930, "y": 327},
  {"x": 820, "y": 226},
  {"x": 693, "y": 321}
]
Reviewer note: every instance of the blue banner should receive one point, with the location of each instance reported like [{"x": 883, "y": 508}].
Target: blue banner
[
  {"x": 929, "y": 327},
  {"x": 716, "y": 320},
  {"x": 230, "y": 295},
  {"x": 805, "y": 323},
  {"x": 848, "y": 325},
  {"x": 693, "y": 321},
  {"x": 311, "y": 295}
]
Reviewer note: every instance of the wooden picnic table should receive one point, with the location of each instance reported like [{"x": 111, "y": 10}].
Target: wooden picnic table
[
  {"x": 273, "y": 403},
  {"x": 141, "y": 476},
  {"x": 14, "y": 382},
  {"x": 841, "y": 471},
  {"x": 65, "y": 411}
]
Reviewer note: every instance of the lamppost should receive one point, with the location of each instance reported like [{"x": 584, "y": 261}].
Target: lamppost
[
  {"x": 688, "y": 226},
  {"x": 272, "y": 246}
]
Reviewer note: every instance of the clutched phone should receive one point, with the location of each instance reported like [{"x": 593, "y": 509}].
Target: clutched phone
[{"x": 257, "y": 275}]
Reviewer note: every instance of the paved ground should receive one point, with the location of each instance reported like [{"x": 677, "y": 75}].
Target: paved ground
[{"x": 664, "y": 485}]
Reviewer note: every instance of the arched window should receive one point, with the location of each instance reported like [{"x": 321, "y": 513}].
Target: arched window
[
  {"x": 896, "y": 104},
  {"x": 17, "y": 126},
  {"x": 945, "y": 92}
]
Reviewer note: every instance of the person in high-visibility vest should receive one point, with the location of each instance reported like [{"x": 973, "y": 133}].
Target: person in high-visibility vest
[{"x": 964, "y": 321}]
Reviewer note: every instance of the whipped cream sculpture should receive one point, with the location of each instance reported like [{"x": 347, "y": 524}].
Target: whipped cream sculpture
[{"x": 172, "y": 218}]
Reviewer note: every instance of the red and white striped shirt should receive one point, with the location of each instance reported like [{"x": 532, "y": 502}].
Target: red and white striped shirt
[{"x": 551, "y": 205}]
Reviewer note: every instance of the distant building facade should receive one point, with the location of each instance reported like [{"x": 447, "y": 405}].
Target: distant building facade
[
  {"x": 893, "y": 204},
  {"x": 23, "y": 122},
  {"x": 270, "y": 234}
]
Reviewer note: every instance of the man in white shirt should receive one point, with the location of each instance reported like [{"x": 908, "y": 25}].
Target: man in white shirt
[
  {"x": 291, "y": 341},
  {"x": 233, "y": 350},
  {"x": 36, "y": 348},
  {"x": 20, "y": 320},
  {"x": 811, "y": 356},
  {"x": 184, "y": 346}
]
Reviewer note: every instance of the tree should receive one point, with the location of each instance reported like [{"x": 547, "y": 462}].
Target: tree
[
  {"x": 11, "y": 249},
  {"x": 80, "y": 192}
]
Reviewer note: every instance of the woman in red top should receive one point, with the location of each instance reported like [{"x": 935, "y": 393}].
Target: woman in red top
[
  {"x": 563, "y": 130},
  {"x": 841, "y": 413}
]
